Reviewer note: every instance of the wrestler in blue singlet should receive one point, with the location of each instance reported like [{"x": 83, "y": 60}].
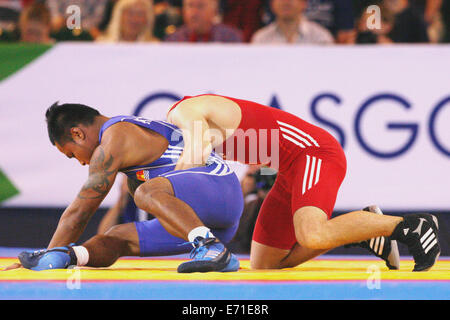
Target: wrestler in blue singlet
[{"x": 213, "y": 191}]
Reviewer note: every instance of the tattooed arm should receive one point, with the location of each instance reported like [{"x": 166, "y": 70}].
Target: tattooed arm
[{"x": 103, "y": 169}]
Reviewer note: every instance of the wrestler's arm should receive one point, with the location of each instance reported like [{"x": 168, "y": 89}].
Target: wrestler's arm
[
  {"x": 103, "y": 168},
  {"x": 196, "y": 135}
]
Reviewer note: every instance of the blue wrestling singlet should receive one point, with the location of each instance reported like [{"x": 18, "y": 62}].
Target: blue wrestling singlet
[{"x": 213, "y": 191}]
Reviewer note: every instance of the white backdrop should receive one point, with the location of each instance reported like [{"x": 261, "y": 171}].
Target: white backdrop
[{"x": 330, "y": 87}]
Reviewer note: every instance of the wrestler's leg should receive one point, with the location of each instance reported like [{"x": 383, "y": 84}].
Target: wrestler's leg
[
  {"x": 157, "y": 197},
  {"x": 313, "y": 229},
  {"x": 274, "y": 245},
  {"x": 321, "y": 175},
  {"x": 267, "y": 257},
  {"x": 119, "y": 241}
]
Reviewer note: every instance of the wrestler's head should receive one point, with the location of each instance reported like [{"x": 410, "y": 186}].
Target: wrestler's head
[{"x": 74, "y": 130}]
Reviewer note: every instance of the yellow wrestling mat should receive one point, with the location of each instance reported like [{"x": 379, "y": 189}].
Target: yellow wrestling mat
[
  {"x": 157, "y": 279},
  {"x": 165, "y": 270}
]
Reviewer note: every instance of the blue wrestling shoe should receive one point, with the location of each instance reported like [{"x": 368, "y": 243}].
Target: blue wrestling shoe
[
  {"x": 56, "y": 258},
  {"x": 209, "y": 255}
]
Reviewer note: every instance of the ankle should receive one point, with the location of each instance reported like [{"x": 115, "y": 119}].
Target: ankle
[{"x": 201, "y": 231}]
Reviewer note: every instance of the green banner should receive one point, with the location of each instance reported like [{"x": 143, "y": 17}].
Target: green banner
[
  {"x": 13, "y": 57},
  {"x": 7, "y": 189}
]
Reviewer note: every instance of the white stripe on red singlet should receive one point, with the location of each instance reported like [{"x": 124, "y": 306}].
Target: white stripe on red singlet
[
  {"x": 312, "y": 172},
  {"x": 303, "y": 136}
]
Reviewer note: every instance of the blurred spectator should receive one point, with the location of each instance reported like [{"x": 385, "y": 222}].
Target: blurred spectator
[
  {"x": 430, "y": 11},
  {"x": 200, "y": 24},
  {"x": 91, "y": 14},
  {"x": 65, "y": 34},
  {"x": 123, "y": 211},
  {"x": 428, "y": 8},
  {"x": 131, "y": 21},
  {"x": 168, "y": 17},
  {"x": 106, "y": 16},
  {"x": 10, "y": 11},
  {"x": 35, "y": 24},
  {"x": 9, "y": 14},
  {"x": 244, "y": 15},
  {"x": 408, "y": 24},
  {"x": 262, "y": 183},
  {"x": 335, "y": 15},
  {"x": 445, "y": 14},
  {"x": 360, "y": 6},
  {"x": 290, "y": 26},
  {"x": 367, "y": 35},
  {"x": 248, "y": 183},
  {"x": 113, "y": 216},
  {"x": 172, "y": 3}
]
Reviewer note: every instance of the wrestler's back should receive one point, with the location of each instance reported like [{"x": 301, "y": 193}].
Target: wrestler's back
[{"x": 228, "y": 114}]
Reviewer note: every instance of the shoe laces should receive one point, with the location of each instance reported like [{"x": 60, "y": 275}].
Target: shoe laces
[
  {"x": 57, "y": 249},
  {"x": 196, "y": 252},
  {"x": 200, "y": 246},
  {"x": 38, "y": 252}
]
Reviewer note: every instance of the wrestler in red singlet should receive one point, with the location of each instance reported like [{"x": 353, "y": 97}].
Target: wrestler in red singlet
[{"x": 311, "y": 167}]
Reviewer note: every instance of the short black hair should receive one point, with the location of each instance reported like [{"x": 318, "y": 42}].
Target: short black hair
[{"x": 61, "y": 118}]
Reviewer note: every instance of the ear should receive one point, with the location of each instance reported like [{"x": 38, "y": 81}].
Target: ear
[{"x": 78, "y": 135}]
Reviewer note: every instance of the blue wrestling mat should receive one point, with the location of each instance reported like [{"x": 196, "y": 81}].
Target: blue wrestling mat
[{"x": 325, "y": 278}]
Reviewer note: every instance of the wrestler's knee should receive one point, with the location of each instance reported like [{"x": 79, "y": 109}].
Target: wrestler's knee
[
  {"x": 146, "y": 195},
  {"x": 118, "y": 231},
  {"x": 309, "y": 227},
  {"x": 266, "y": 257},
  {"x": 262, "y": 264},
  {"x": 126, "y": 238}
]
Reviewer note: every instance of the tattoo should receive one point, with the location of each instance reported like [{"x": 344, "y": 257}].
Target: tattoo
[{"x": 99, "y": 181}]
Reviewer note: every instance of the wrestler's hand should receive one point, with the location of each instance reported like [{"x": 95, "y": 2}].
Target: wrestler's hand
[
  {"x": 13, "y": 266},
  {"x": 187, "y": 162},
  {"x": 194, "y": 156}
]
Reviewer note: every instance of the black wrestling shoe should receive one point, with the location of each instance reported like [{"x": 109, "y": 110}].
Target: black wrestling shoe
[
  {"x": 420, "y": 233},
  {"x": 382, "y": 247}
]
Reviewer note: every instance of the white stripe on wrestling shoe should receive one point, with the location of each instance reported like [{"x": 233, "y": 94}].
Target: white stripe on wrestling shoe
[
  {"x": 380, "y": 249},
  {"x": 377, "y": 245},
  {"x": 428, "y": 240}
]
